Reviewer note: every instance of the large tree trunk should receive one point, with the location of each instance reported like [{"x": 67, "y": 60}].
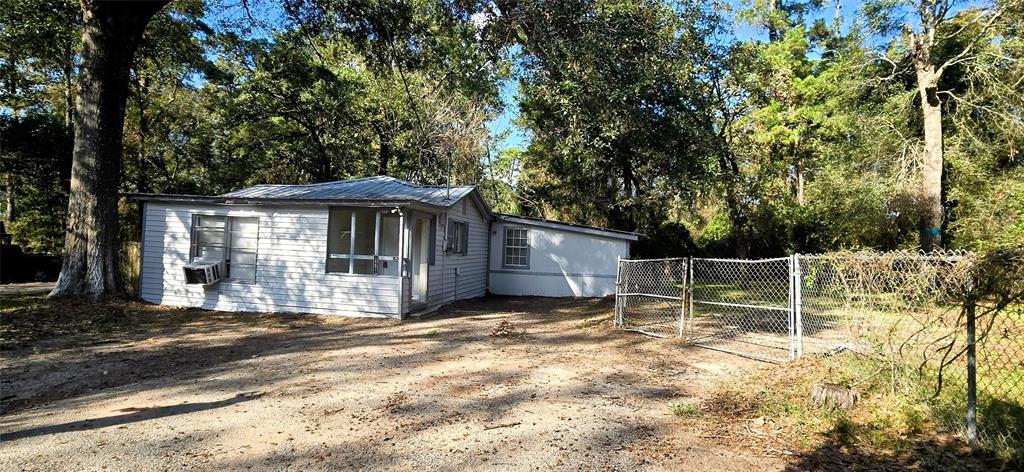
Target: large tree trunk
[
  {"x": 141, "y": 183},
  {"x": 69, "y": 94},
  {"x": 731, "y": 172},
  {"x": 69, "y": 102},
  {"x": 932, "y": 160},
  {"x": 383, "y": 154},
  {"x": 773, "y": 33},
  {"x": 800, "y": 180},
  {"x": 111, "y": 32},
  {"x": 9, "y": 212}
]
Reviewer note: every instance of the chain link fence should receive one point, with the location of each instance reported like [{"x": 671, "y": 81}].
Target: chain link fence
[
  {"x": 650, "y": 294},
  {"x": 890, "y": 301},
  {"x": 743, "y": 307},
  {"x": 994, "y": 316},
  {"x": 954, "y": 319}
]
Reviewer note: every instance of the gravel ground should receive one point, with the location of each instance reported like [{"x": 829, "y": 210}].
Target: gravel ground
[{"x": 560, "y": 390}]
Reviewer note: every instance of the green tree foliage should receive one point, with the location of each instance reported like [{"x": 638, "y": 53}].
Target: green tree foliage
[
  {"x": 499, "y": 183},
  {"x": 646, "y": 115},
  {"x": 611, "y": 95},
  {"x": 977, "y": 53},
  {"x": 827, "y": 136},
  {"x": 431, "y": 71},
  {"x": 38, "y": 53},
  {"x": 805, "y": 133},
  {"x": 985, "y": 102},
  {"x": 35, "y": 157}
]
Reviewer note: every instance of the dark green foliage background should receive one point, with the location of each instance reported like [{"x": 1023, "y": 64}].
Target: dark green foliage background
[{"x": 644, "y": 115}]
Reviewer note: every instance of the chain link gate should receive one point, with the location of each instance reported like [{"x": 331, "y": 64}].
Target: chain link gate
[
  {"x": 739, "y": 306},
  {"x": 650, "y": 295},
  {"x": 744, "y": 307}
]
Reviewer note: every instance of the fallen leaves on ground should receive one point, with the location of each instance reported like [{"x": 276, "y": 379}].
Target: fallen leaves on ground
[{"x": 505, "y": 329}]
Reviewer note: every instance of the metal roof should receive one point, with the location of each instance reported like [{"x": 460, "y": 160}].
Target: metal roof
[
  {"x": 594, "y": 230},
  {"x": 380, "y": 190},
  {"x": 380, "y": 187}
]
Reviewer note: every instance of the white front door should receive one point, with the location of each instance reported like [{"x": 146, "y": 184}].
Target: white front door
[{"x": 419, "y": 259}]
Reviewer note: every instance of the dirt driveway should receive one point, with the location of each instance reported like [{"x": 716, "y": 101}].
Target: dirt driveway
[{"x": 205, "y": 390}]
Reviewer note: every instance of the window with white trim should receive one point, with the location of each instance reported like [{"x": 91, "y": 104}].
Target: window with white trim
[
  {"x": 517, "y": 248},
  {"x": 228, "y": 238},
  {"x": 362, "y": 241}
]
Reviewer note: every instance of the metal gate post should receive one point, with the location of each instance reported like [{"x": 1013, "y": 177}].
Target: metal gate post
[
  {"x": 682, "y": 303},
  {"x": 972, "y": 378},
  {"x": 689, "y": 298},
  {"x": 798, "y": 304},
  {"x": 618, "y": 289},
  {"x": 682, "y": 318},
  {"x": 972, "y": 364},
  {"x": 792, "y": 312}
]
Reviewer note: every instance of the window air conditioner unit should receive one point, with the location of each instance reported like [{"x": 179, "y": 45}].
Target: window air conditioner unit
[{"x": 205, "y": 271}]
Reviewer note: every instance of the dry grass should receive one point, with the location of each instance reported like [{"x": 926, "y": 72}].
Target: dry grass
[
  {"x": 32, "y": 320},
  {"x": 895, "y": 425}
]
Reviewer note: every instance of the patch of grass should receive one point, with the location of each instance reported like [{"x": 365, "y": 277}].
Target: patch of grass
[
  {"x": 12, "y": 303},
  {"x": 684, "y": 409},
  {"x": 897, "y": 412},
  {"x": 27, "y": 320}
]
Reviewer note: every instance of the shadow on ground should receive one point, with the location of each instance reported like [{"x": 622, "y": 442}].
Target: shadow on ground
[
  {"x": 140, "y": 342},
  {"x": 136, "y": 415},
  {"x": 945, "y": 454}
]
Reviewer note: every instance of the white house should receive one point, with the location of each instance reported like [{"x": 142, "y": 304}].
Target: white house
[
  {"x": 377, "y": 246},
  {"x": 552, "y": 259}
]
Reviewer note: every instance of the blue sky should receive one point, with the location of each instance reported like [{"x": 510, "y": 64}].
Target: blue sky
[{"x": 517, "y": 136}]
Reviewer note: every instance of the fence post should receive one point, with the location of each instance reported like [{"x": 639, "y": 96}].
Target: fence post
[
  {"x": 682, "y": 314},
  {"x": 618, "y": 289},
  {"x": 682, "y": 303},
  {"x": 689, "y": 298},
  {"x": 972, "y": 371},
  {"x": 792, "y": 313},
  {"x": 798, "y": 303}
]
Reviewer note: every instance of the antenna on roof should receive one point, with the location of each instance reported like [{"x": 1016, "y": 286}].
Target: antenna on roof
[{"x": 448, "y": 181}]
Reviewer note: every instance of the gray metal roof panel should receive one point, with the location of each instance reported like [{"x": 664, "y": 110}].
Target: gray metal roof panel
[
  {"x": 614, "y": 233},
  {"x": 369, "y": 188}
]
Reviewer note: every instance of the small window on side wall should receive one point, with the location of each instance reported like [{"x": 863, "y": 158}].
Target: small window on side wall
[
  {"x": 458, "y": 234},
  {"x": 231, "y": 239},
  {"x": 517, "y": 248}
]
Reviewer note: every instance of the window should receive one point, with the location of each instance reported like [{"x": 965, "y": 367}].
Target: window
[
  {"x": 362, "y": 241},
  {"x": 517, "y": 248},
  {"x": 208, "y": 239},
  {"x": 243, "y": 236},
  {"x": 458, "y": 234},
  {"x": 231, "y": 239}
]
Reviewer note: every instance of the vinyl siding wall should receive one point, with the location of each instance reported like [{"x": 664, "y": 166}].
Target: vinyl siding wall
[
  {"x": 443, "y": 285},
  {"x": 290, "y": 266},
  {"x": 561, "y": 263}
]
